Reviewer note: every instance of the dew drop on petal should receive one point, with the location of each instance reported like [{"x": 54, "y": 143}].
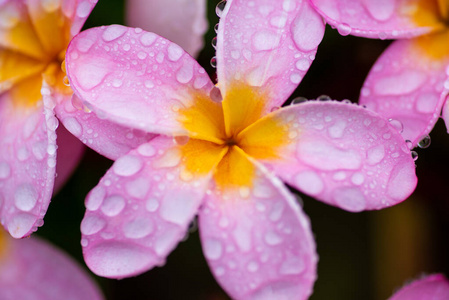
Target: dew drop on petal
[
  {"x": 138, "y": 228},
  {"x": 5, "y": 170},
  {"x": 220, "y": 7},
  {"x": 95, "y": 198},
  {"x": 409, "y": 144},
  {"x": 414, "y": 155},
  {"x": 344, "y": 29},
  {"x": 113, "y": 32},
  {"x": 397, "y": 124},
  {"x": 113, "y": 205},
  {"x": 424, "y": 142},
  {"x": 25, "y": 197},
  {"x": 92, "y": 224},
  {"x": 127, "y": 165},
  {"x": 213, "y": 62},
  {"x": 152, "y": 205},
  {"x": 323, "y": 98},
  {"x": 299, "y": 100}
]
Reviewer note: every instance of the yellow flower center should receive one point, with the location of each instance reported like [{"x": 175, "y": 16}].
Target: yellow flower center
[
  {"x": 33, "y": 39},
  {"x": 225, "y": 133},
  {"x": 433, "y": 13}
]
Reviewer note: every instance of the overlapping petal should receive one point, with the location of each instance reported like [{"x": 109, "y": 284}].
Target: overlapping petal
[
  {"x": 27, "y": 166},
  {"x": 107, "y": 138},
  {"x": 435, "y": 287},
  {"x": 383, "y": 19},
  {"x": 33, "y": 269},
  {"x": 257, "y": 241},
  {"x": 140, "y": 210},
  {"x": 153, "y": 79},
  {"x": 183, "y": 22},
  {"x": 341, "y": 154},
  {"x": 407, "y": 83},
  {"x": 268, "y": 45}
]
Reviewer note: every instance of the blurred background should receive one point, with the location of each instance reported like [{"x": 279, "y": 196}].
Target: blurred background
[{"x": 364, "y": 255}]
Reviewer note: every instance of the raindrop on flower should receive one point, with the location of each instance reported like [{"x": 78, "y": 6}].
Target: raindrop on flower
[
  {"x": 424, "y": 142},
  {"x": 216, "y": 28},
  {"x": 215, "y": 94},
  {"x": 65, "y": 81},
  {"x": 324, "y": 98},
  {"x": 274, "y": 108},
  {"x": 397, "y": 124},
  {"x": 409, "y": 144},
  {"x": 298, "y": 100},
  {"x": 344, "y": 29},
  {"x": 220, "y": 7},
  {"x": 181, "y": 140},
  {"x": 347, "y": 101},
  {"x": 414, "y": 155},
  {"x": 213, "y": 62},
  {"x": 214, "y": 42}
]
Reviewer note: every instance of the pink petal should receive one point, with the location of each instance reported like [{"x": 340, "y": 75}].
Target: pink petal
[
  {"x": 27, "y": 165},
  {"x": 435, "y": 287},
  {"x": 105, "y": 137},
  {"x": 77, "y": 11},
  {"x": 70, "y": 151},
  {"x": 183, "y": 22},
  {"x": 384, "y": 19},
  {"x": 134, "y": 78},
  {"x": 33, "y": 269},
  {"x": 406, "y": 85},
  {"x": 343, "y": 155},
  {"x": 270, "y": 45},
  {"x": 258, "y": 242},
  {"x": 140, "y": 211}
]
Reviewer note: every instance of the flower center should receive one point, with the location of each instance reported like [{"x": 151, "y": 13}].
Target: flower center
[{"x": 218, "y": 139}]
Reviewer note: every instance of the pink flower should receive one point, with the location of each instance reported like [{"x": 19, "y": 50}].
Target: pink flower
[
  {"x": 33, "y": 269},
  {"x": 409, "y": 82},
  {"x": 33, "y": 37},
  {"x": 218, "y": 158},
  {"x": 435, "y": 287},
  {"x": 183, "y": 22}
]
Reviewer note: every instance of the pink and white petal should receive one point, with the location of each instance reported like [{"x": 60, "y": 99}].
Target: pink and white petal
[
  {"x": 183, "y": 22},
  {"x": 140, "y": 210},
  {"x": 34, "y": 269},
  {"x": 77, "y": 11},
  {"x": 107, "y": 138},
  {"x": 70, "y": 152},
  {"x": 343, "y": 155},
  {"x": 134, "y": 78},
  {"x": 385, "y": 19},
  {"x": 258, "y": 242},
  {"x": 268, "y": 44},
  {"x": 407, "y": 84},
  {"x": 27, "y": 165},
  {"x": 445, "y": 112},
  {"x": 435, "y": 287}
]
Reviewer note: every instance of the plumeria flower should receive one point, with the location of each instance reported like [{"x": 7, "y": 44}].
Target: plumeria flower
[
  {"x": 435, "y": 287},
  {"x": 410, "y": 81},
  {"x": 181, "y": 21},
  {"x": 35, "y": 270},
  {"x": 33, "y": 37},
  {"x": 218, "y": 148}
]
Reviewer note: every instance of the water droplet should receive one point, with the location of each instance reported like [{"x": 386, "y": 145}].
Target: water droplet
[
  {"x": 215, "y": 94},
  {"x": 344, "y": 29},
  {"x": 212, "y": 249},
  {"x": 253, "y": 266},
  {"x": 174, "y": 52},
  {"x": 214, "y": 42},
  {"x": 397, "y": 124},
  {"x": 127, "y": 165},
  {"x": 213, "y": 62},
  {"x": 152, "y": 205},
  {"x": 414, "y": 155},
  {"x": 323, "y": 98},
  {"x": 92, "y": 224},
  {"x": 299, "y": 100},
  {"x": 138, "y": 228},
  {"x": 272, "y": 238},
  {"x": 113, "y": 32},
  {"x": 181, "y": 140},
  {"x": 382, "y": 35},
  {"x": 424, "y": 142},
  {"x": 220, "y": 7},
  {"x": 113, "y": 205},
  {"x": 65, "y": 81},
  {"x": 216, "y": 27},
  {"x": 63, "y": 69},
  {"x": 347, "y": 101},
  {"x": 274, "y": 108},
  {"x": 25, "y": 197},
  {"x": 409, "y": 144}
]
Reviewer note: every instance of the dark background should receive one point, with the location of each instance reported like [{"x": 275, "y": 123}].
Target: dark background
[{"x": 362, "y": 255}]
